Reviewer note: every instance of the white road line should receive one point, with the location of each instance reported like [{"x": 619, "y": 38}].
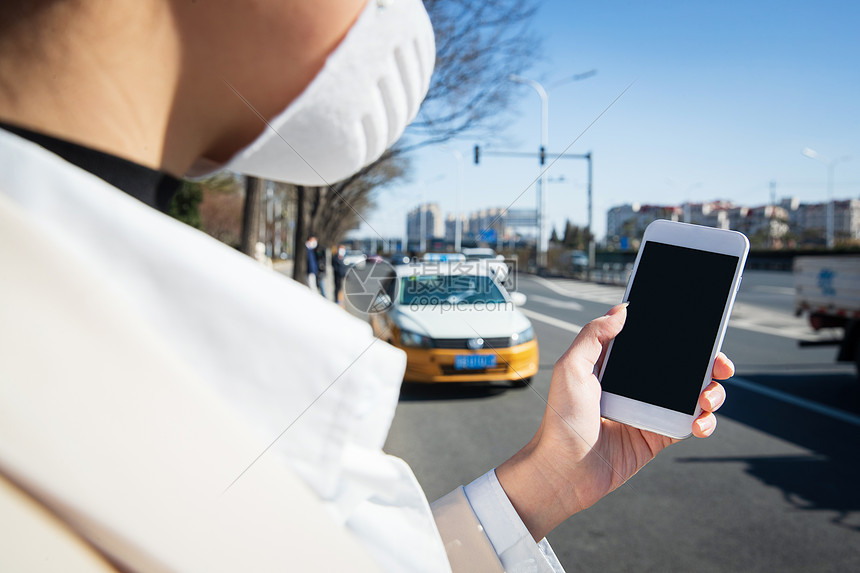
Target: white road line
[
  {"x": 745, "y": 316},
  {"x": 786, "y": 332},
  {"x": 580, "y": 290},
  {"x": 834, "y": 413},
  {"x": 569, "y": 304},
  {"x": 558, "y": 323},
  {"x": 553, "y": 287}
]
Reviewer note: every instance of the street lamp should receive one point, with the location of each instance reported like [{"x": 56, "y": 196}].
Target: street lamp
[
  {"x": 544, "y": 139},
  {"x": 831, "y": 167},
  {"x": 542, "y": 182},
  {"x": 458, "y": 224},
  {"x": 422, "y": 212},
  {"x": 574, "y": 78}
]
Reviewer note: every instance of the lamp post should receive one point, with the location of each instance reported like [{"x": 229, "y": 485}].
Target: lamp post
[
  {"x": 422, "y": 212},
  {"x": 831, "y": 168},
  {"x": 544, "y": 139},
  {"x": 458, "y": 224},
  {"x": 542, "y": 182}
]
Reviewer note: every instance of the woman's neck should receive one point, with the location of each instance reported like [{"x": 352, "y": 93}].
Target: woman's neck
[{"x": 98, "y": 85}]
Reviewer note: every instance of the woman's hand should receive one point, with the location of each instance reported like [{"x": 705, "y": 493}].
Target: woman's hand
[{"x": 577, "y": 457}]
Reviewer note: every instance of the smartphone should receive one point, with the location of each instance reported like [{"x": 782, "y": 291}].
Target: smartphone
[{"x": 681, "y": 294}]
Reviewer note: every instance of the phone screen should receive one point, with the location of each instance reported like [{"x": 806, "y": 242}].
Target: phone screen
[{"x": 676, "y": 305}]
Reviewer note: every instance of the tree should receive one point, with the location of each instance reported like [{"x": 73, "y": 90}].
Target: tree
[
  {"x": 478, "y": 45},
  {"x": 185, "y": 204},
  {"x": 328, "y": 213},
  {"x": 576, "y": 237},
  {"x": 221, "y": 210},
  {"x": 211, "y": 204}
]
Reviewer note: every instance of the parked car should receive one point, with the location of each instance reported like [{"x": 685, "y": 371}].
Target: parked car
[
  {"x": 496, "y": 263},
  {"x": 353, "y": 257},
  {"x": 399, "y": 258},
  {"x": 579, "y": 260},
  {"x": 457, "y": 323}
]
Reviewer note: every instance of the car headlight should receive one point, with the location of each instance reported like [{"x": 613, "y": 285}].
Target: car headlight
[
  {"x": 523, "y": 337},
  {"x": 409, "y": 338}
]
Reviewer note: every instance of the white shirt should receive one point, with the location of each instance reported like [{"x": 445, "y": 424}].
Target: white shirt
[{"x": 310, "y": 381}]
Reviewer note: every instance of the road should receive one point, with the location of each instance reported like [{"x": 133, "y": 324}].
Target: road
[{"x": 775, "y": 489}]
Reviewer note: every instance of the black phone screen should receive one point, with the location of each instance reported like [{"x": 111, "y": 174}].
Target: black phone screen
[{"x": 676, "y": 305}]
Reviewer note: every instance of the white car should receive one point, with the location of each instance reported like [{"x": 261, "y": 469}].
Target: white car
[
  {"x": 457, "y": 323},
  {"x": 353, "y": 257},
  {"x": 496, "y": 263},
  {"x": 480, "y": 253}
]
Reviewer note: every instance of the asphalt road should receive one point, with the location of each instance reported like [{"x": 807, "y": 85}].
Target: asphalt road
[{"x": 775, "y": 489}]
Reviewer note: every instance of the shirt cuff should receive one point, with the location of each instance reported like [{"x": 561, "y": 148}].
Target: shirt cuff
[{"x": 507, "y": 533}]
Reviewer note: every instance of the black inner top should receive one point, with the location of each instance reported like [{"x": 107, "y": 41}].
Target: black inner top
[{"x": 153, "y": 187}]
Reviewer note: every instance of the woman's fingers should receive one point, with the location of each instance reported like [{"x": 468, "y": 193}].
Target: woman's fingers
[
  {"x": 710, "y": 400},
  {"x": 723, "y": 367},
  {"x": 712, "y": 397},
  {"x": 704, "y": 425},
  {"x": 592, "y": 339}
]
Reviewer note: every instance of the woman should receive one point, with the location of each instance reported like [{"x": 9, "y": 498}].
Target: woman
[{"x": 167, "y": 405}]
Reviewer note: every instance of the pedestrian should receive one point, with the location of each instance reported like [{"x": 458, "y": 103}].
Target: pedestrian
[
  {"x": 260, "y": 255},
  {"x": 168, "y": 404},
  {"x": 321, "y": 253},
  {"x": 338, "y": 267},
  {"x": 314, "y": 281}
]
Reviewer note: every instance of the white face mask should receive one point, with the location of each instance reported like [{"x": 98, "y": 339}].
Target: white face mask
[{"x": 357, "y": 106}]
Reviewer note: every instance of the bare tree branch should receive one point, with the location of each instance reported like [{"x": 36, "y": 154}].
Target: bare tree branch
[{"x": 479, "y": 43}]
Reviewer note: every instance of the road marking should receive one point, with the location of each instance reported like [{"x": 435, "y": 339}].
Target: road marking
[
  {"x": 834, "y": 413},
  {"x": 558, "y": 323},
  {"x": 569, "y": 304},
  {"x": 745, "y": 316},
  {"x": 772, "y": 289},
  {"x": 552, "y": 286},
  {"x": 579, "y": 290},
  {"x": 757, "y": 319},
  {"x": 798, "y": 333},
  {"x": 840, "y": 415}
]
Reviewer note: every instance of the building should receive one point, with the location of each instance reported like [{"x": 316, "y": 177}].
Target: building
[
  {"x": 767, "y": 223},
  {"x": 764, "y": 224},
  {"x": 451, "y": 228},
  {"x": 811, "y": 219},
  {"x": 629, "y": 221},
  {"x": 846, "y": 219},
  {"x": 426, "y": 220}
]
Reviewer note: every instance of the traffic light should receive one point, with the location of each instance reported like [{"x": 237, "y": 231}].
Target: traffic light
[
  {"x": 477, "y": 154},
  {"x": 542, "y": 155}
]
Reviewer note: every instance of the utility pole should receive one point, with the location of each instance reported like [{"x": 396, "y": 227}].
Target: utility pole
[
  {"x": 770, "y": 228},
  {"x": 542, "y": 178},
  {"x": 543, "y": 154}
]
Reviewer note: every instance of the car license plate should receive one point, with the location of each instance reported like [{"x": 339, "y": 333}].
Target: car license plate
[{"x": 474, "y": 361}]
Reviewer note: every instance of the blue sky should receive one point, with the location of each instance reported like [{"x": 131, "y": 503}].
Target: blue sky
[{"x": 724, "y": 97}]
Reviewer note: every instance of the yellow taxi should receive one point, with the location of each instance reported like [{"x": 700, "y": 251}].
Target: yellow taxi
[{"x": 457, "y": 323}]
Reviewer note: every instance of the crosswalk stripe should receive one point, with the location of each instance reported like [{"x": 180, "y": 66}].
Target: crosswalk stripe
[
  {"x": 558, "y": 323},
  {"x": 744, "y": 317}
]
